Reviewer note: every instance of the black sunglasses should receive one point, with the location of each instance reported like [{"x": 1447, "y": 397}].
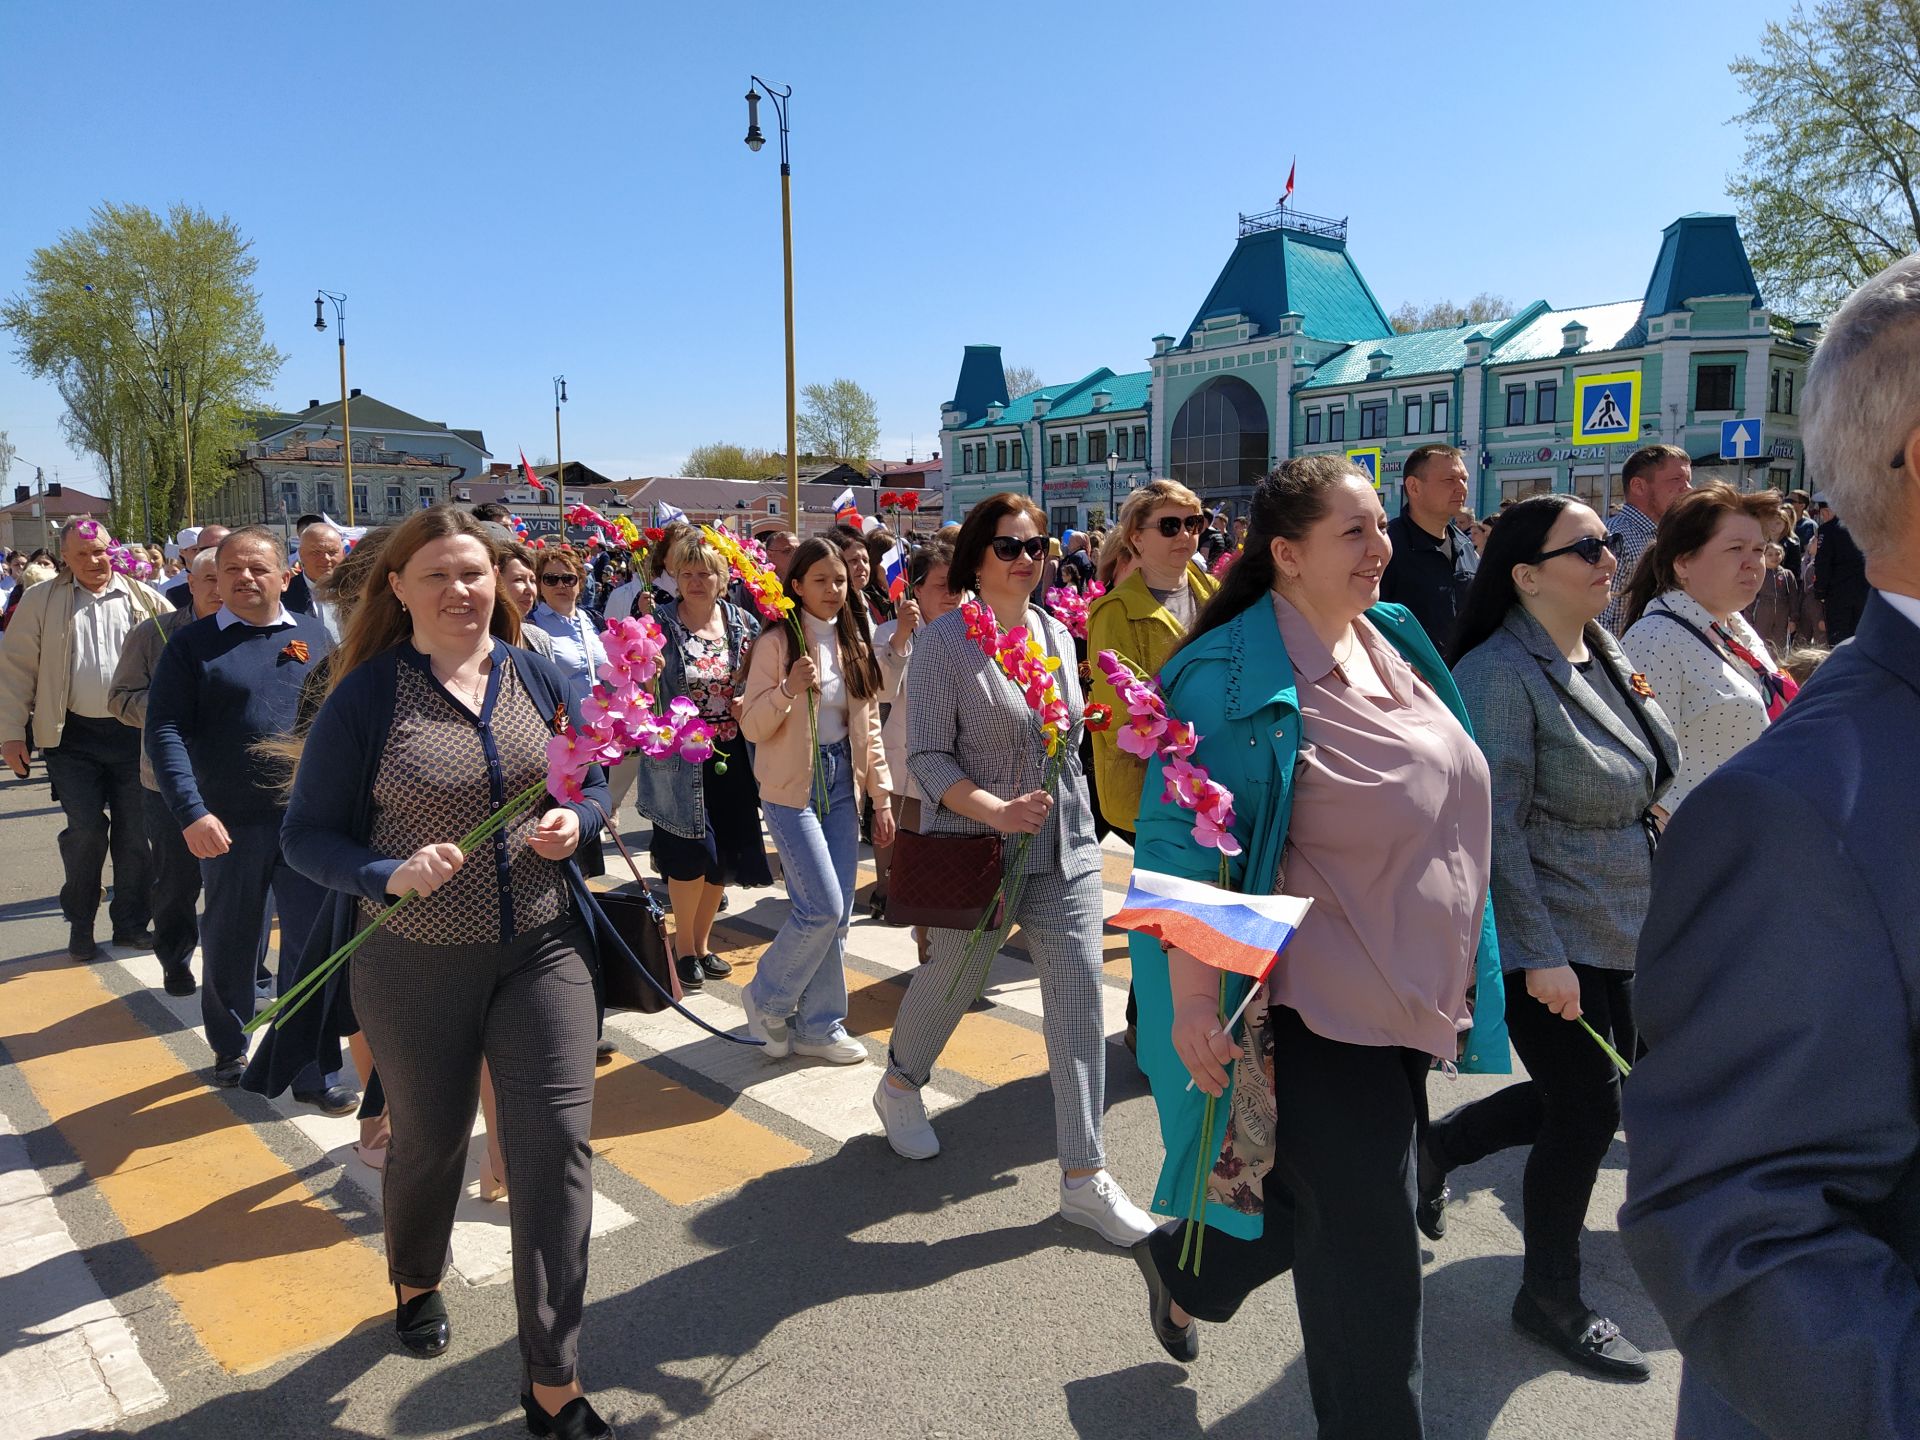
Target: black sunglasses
[
  {"x": 1005, "y": 547},
  {"x": 563, "y": 581},
  {"x": 1171, "y": 525},
  {"x": 1587, "y": 547}
]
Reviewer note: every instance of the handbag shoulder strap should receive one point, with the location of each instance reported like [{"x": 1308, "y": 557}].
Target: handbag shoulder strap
[{"x": 1761, "y": 678}]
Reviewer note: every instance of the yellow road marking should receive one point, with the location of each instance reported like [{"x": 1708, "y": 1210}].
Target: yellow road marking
[
  {"x": 676, "y": 1142},
  {"x": 259, "y": 1268}
]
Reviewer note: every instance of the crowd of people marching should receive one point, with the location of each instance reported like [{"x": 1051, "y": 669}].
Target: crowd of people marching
[{"x": 1554, "y": 783}]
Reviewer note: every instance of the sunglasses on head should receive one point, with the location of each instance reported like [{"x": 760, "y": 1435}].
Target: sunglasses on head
[
  {"x": 1005, "y": 547},
  {"x": 563, "y": 581},
  {"x": 1587, "y": 547},
  {"x": 1171, "y": 525}
]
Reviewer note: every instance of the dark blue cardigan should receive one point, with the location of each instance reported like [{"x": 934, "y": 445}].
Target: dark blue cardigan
[{"x": 325, "y": 838}]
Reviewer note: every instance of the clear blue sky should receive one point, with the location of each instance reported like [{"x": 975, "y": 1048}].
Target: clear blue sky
[{"x": 507, "y": 192}]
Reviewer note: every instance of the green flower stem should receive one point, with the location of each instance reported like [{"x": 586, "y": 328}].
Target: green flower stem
[
  {"x": 1612, "y": 1054},
  {"x": 1012, "y": 886},
  {"x": 1196, "y": 1227},
  {"x": 301, "y": 992}
]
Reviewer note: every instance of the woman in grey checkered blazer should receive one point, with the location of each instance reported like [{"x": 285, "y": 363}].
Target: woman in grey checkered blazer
[{"x": 976, "y": 752}]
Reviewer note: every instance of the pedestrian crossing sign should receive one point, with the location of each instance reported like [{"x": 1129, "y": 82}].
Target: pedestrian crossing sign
[
  {"x": 1369, "y": 461},
  {"x": 1606, "y": 408}
]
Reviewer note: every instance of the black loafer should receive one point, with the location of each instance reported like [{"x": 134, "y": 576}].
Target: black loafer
[
  {"x": 135, "y": 939},
  {"x": 692, "y": 977},
  {"x": 334, "y": 1100},
  {"x": 227, "y": 1072},
  {"x": 576, "y": 1420},
  {"x": 180, "y": 982},
  {"x": 713, "y": 967},
  {"x": 1592, "y": 1342},
  {"x": 421, "y": 1323},
  {"x": 1181, "y": 1342},
  {"x": 1430, "y": 1208},
  {"x": 80, "y": 944}
]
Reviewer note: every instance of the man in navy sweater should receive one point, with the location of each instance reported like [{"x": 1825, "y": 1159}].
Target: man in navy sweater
[{"x": 224, "y": 684}]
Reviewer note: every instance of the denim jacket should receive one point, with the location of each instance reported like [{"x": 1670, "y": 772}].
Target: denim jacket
[{"x": 669, "y": 792}]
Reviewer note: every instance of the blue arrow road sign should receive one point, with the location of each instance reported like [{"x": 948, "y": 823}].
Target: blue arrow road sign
[{"x": 1739, "y": 439}]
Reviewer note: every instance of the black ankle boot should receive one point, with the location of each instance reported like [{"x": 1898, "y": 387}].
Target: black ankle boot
[
  {"x": 421, "y": 1323},
  {"x": 1430, "y": 1208},
  {"x": 576, "y": 1420}
]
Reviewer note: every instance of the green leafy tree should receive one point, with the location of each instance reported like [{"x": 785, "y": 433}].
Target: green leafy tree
[
  {"x": 725, "y": 461},
  {"x": 1443, "y": 314},
  {"x": 1829, "y": 193},
  {"x": 132, "y": 317},
  {"x": 839, "y": 420}
]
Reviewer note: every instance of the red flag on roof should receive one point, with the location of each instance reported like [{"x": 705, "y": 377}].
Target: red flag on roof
[
  {"x": 1290, "y": 169},
  {"x": 539, "y": 485}
]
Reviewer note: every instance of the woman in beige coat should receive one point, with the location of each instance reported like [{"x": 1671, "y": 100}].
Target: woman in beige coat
[{"x": 814, "y": 719}]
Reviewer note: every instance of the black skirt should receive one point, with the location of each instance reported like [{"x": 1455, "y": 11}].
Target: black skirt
[{"x": 733, "y": 851}]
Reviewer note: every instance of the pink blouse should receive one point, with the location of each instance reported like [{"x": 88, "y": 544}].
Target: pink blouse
[{"x": 1392, "y": 837}]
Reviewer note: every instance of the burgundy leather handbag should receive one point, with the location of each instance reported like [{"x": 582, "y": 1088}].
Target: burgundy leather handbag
[{"x": 947, "y": 882}]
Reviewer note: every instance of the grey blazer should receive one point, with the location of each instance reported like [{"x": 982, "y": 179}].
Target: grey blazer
[
  {"x": 1572, "y": 858},
  {"x": 966, "y": 721}
]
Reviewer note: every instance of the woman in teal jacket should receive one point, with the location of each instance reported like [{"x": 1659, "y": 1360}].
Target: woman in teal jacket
[{"x": 1305, "y": 691}]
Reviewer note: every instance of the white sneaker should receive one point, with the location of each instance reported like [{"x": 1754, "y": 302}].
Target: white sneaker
[
  {"x": 905, "y": 1118},
  {"x": 1100, "y": 1204},
  {"x": 764, "y": 1028},
  {"x": 842, "y": 1051}
]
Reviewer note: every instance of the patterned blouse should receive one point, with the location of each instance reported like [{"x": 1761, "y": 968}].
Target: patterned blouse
[
  {"x": 710, "y": 683},
  {"x": 443, "y": 771}
]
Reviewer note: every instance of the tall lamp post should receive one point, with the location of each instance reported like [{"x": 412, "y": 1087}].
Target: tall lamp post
[
  {"x": 346, "y": 424},
  {"x": 559, "y": 458},
  {"x": 755, "y": 140},
  {"x": 1113, "y": 469}
]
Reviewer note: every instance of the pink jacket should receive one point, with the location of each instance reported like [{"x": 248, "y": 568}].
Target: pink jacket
[{"x": 777, "y": 726}]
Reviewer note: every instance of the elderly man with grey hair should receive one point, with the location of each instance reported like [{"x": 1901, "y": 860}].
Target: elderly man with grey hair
[
  {"x": 1773, "y": 1188},
  {"x": 322, "y": 548}
]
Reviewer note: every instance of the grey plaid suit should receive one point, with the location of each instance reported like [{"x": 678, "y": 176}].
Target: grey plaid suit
[
  {"x": 1572, "y": 869},
  {"x": 965, "y": 721}
]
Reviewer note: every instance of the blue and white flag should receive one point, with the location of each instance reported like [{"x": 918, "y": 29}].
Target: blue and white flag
[{"x": 666, "y": 514}]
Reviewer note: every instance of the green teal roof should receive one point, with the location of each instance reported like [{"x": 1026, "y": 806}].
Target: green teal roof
[
  {"x": 1277, "y": 272},
  {"x": 983, "y": 381},
  {"x": 1609, "y": 327},
  {"x": 1418, "y": 352},
  {"x": 1076, "y": 398},
  {"x": 1700, "y": 254}
]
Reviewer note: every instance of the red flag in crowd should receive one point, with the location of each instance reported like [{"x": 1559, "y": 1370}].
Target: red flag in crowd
[{"x": 539, "y": 485}]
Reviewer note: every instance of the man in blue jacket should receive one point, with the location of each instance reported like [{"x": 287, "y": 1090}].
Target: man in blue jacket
[
  {"x": 224, "y": 684},
  {"x": 1773, "y": 1186}
]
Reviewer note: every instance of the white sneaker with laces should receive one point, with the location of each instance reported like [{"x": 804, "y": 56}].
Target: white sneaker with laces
[
  {"x": 904, "y": 1115},
  {"x": 843, "y": 1050},
  {"x": 1100, "y": 1204},
  {"x": 770, "y": 1032}
]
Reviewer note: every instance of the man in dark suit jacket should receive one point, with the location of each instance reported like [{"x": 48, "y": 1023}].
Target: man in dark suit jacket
[
  {"x": 1773, "y": 1188},
  {"x": 1839, "y": 575}
]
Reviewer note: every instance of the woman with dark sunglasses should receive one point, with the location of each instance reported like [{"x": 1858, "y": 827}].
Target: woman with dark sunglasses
[
  {"x": 1580, "y": 752},
  {"x": 576, "y": 640}
]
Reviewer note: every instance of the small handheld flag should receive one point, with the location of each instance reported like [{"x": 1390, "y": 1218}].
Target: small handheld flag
[
  {"x": 539, "y": 485},
  {"x": 665, "y": 514},
  {"x": 1229, "y": 931},
  {"x": 893, "y": 567}
]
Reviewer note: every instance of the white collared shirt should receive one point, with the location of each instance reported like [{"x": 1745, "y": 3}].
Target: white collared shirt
[
  {"x": 223, "y": 617},
  {"x": 1907, "y": 605},
  {"x": 101, "y": 624}
]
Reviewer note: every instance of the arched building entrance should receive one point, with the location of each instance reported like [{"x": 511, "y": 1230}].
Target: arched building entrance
[{"x": 1220, "y": 440}]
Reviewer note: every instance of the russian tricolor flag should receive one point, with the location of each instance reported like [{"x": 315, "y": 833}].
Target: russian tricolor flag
[
  {"x": 894, "y": 567},
  {"x": 1241, "y": 933}
]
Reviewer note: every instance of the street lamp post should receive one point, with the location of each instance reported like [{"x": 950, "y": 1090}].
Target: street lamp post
[
  {"x": 1113, "y": 469},
  {"x": 559, "y": 458},
  {"x": 346, "y": 424},
  {"x": 755, "y": 140}
]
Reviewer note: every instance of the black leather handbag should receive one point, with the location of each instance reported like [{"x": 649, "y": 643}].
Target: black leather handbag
[{"x": 638, "y": 919}]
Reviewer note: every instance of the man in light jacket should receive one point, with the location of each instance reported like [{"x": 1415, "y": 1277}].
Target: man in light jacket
[
  {"x": 56, "y": 667},
  {"x": 1773, "y": 1184}
]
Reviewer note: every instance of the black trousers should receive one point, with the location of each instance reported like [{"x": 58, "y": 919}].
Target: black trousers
[
  {"x": 176, "y": 887},
  {"x": 1567, "y": 1110},
  {"x": 95, "y": 770},
  {"x": 431, "y": 1014},
  {"x": 1339, "y": 1214}
]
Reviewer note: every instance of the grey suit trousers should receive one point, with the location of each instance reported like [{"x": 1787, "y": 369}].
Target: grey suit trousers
[{"x": 431, "y": 1013}]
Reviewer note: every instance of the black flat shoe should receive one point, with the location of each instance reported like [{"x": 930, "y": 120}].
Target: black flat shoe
[
  {"x": 1181, "y": 1342},
  {"x": 576, "y": 1420},
  {"x": 134, "y": 939},
  {"x": 713, "y": 967},
  {"x": 877, "y": 905},
  {"x": 1592, "y": 1341},
  {"x": 180, "y": 982},
  {"x": 80, "y": 944},
  {"x": 334, "y": 1100},
  {"x": 421, "y": 1323},
  {"x": 1430, "y": 1208},
  {"x": 227, "y": 1073}
]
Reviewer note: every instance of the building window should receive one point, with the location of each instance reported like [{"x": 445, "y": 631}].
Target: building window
[
  {"x": 1064, "y": 518},
  {"x": 966, "y": 459},
  {"x": 1313, "y": 427},
  {"x": 1017, "y": 462},
  {"x": 1713, "y": 387},
  {"x": 361, "y": 505},
  {"x": 1517, "y": 405},
  {"x": 999, "y": 454},
  {"x": 1546, "y": 402},
  {"x": 322, "y": 498},
  {"x": 1773, "y": 392},
  {"x": 1590, "y": 489},
  {"x": 1096, "y": 447},
  {"x": 426, "y": 497},
  {"x": 290, "y": 497},
  {"x": 1073, "y": 448},
  {"x": 1373, "y": 419},
  {"x": 396, "y": 500},
  {"x": 1437, "y": 410},
  {"x": 1521, "y": 489},
  {"x": 1786, "y": 397},
  {"x": 1412, "y": 426},
  {"x": 1220, "y": 436},
  {"x": 1120, "y": 442},
  {"x": 1337, "y": 425},
  {"x": 773, "y": 507},
  {"x": 1140, "y": 443}
]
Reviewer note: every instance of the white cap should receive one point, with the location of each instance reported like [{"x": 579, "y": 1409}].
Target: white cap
[
  {"x": 188, "y": 537},
  {"x": 1819, "y": 499}
]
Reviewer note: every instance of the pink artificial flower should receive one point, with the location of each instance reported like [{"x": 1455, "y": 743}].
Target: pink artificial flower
[
  {"x": 1140, "y": 736},
  {"x": 696, "y": 744},
  {"x": 1185, "y": 783},
  {"x": 1179, "y": 739},
  {"x": 1214, "y": 834},
  {"x": 982, "y": 628},
  {"x": 568, "y": 761}
]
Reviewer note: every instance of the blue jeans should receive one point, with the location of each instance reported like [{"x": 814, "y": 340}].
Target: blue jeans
[{"x": 802, "y": 974}]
